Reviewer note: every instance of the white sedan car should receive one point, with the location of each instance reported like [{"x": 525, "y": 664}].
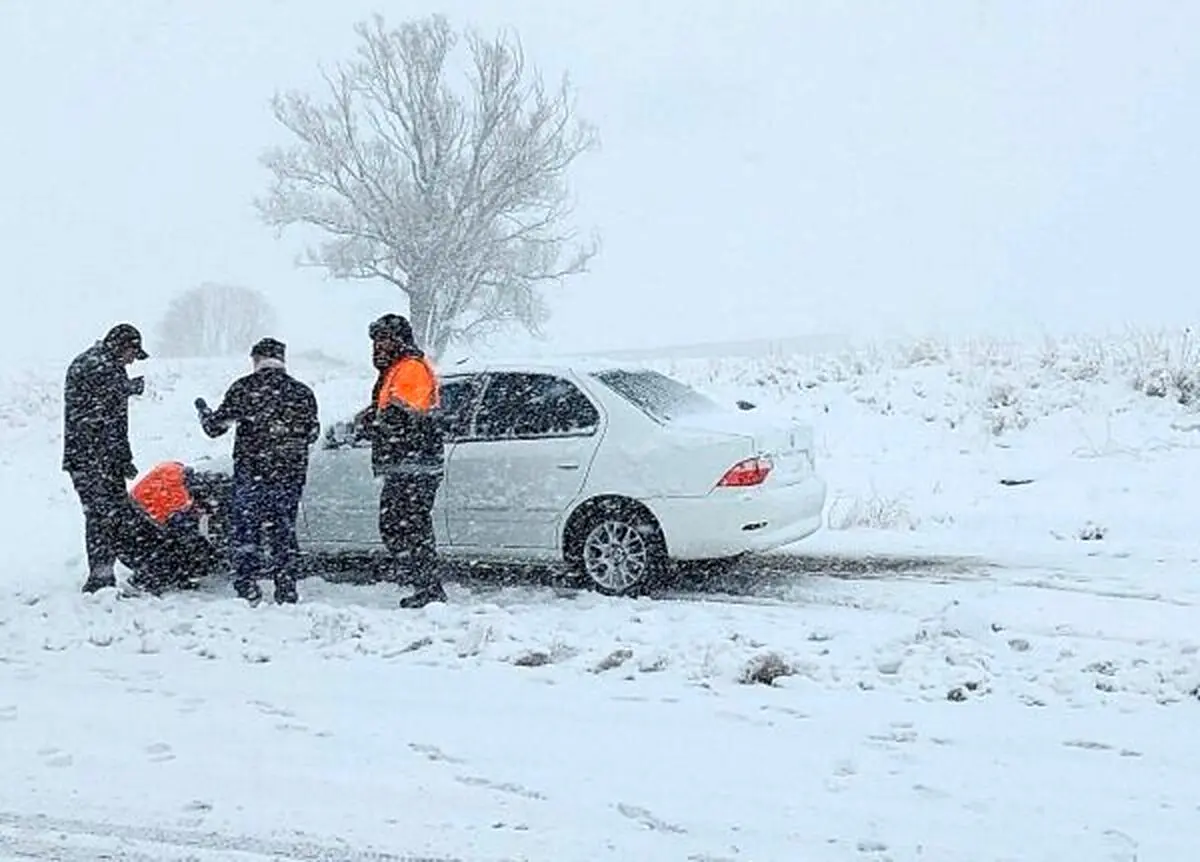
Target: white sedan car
[{"x": 615, "y": 470}]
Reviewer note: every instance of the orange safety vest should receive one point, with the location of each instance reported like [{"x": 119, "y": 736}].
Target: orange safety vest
[
  {"x": 410, "y": 381},
  {"x": 163, "y": 491}
]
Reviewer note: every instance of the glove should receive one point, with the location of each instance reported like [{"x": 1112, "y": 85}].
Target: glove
[
  {"x": 201, "y": 406},
  {"x": 130, "y": 471},
  {"x": 137, "y": 385}
]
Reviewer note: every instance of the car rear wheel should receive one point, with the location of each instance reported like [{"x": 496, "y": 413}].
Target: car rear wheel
[{"x": 619, "y": 550}]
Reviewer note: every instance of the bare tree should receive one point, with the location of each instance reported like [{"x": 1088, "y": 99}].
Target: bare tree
[
  {"x": 457, "y": 196},
  {"x": 213, "y": 320}
]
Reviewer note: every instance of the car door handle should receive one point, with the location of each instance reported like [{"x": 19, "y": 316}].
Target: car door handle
[{"x": 567, "y": 465}]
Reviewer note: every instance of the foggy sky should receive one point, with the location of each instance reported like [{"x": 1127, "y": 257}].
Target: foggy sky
[{"x": 767, "y": 168}]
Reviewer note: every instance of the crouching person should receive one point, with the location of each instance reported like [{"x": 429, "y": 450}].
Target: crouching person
[{"x": 174, "y": 552}]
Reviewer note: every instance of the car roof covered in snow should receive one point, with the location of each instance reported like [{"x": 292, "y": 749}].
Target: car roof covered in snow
[{"x": 544, "y": 364}]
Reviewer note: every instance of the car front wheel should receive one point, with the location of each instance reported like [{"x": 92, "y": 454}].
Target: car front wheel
[{"x": 620, "y": 551}]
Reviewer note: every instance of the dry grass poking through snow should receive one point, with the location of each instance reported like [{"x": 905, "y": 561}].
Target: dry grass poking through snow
[
  {"x": 871, "y": 512},
  {"x": 764, "y": 669},
  {"x": 977, "y": 386},
  {"x": 896, "y": 421},
  {"x": 1002, "y": 384}
]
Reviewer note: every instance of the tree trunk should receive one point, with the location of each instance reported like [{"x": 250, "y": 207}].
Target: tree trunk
[
  {"x": 420, "y": 314},
  {"x": 441, "y": 341}
]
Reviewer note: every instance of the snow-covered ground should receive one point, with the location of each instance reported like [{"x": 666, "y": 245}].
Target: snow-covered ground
[{"x": 990, "y": 653}]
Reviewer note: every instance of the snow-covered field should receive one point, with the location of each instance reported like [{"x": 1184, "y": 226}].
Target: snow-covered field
[{"x": 990, "y": 653}]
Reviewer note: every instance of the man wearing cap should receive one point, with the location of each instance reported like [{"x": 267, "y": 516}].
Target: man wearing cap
[
  {"x": 407, "y": 450},
  {"x": 276, "y": 419},
  {"x": 96, "y": 451}
]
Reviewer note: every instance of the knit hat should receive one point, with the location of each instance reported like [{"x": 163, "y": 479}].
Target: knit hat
[{"x": 269, "y": 348}]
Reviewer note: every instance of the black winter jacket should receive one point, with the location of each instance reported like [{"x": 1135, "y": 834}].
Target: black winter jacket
[
  {"x": 96, "y": 415},
  {"x": 276, "y": 418}
]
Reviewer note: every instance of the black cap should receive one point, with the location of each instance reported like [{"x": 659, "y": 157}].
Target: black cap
[
  {"x": 393, "y": 326},
  {"x": 125, "y": 336},
  {"x": 269, "y": 348}
]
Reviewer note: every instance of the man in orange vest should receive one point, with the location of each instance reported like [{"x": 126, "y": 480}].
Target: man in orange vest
[
  {"x": 174, "y": 550},
  {"x": 407, "y": 451}
]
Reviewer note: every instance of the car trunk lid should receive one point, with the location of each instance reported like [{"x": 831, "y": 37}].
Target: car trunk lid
[{"x": 785, "y": 442}]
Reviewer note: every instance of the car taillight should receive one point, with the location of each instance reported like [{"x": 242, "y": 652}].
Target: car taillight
[{"x": 746, "y": 474}]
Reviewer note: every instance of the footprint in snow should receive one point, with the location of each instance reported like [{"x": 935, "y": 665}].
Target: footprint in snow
[
  {"x": 272, "y": 710},
  {"x": 292, "y": 727},
  {"x": 190, "y": 705},
  {"x": 845, "y": 769},
  {"x": 647, "y": 819},
  {"x": 930, "y": 792},
  {"x": 872, "y": 847},
  {"x": 844, "y": 772},
  {"x": 502, "y": 787},
  {"x": 1122, "y": 847},
  {"x": 1088, "y": 745},
  {"x": 432, "y": 752},
  {"x": 892, "y": 737},
  {"x": 55, "y": 757},
  {"x": 160, "y": 752}
]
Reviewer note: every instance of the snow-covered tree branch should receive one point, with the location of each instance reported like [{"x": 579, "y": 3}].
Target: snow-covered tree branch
[{"x": 456, "y": 195}]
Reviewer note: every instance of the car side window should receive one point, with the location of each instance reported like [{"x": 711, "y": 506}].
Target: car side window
[
  {"x": 457, "y": 397},
  {"x": 523, "y": 406}
]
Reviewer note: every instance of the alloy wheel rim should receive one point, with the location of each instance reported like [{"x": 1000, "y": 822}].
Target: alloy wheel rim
[{"x": 615, "y": 555}]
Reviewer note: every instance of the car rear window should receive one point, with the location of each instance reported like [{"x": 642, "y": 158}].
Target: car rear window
[{"x": 660, "y": 396}]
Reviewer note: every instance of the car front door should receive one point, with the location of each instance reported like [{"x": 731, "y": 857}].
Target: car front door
[
  {"x": 341, "y": 500},
  {"x": 340, "y": 507},
  {"x": 511, "y": 479}
]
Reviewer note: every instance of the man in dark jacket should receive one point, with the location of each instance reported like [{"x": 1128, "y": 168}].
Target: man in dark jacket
[
  {"x": 407, "y": 450},
  {"x": 96, "y": 451},
  {"x": 276, "y": 418}
]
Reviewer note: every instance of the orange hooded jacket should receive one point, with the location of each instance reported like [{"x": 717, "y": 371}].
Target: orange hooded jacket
[
  {"x": 163, "y": 491},
  {"x": 410, "y": 381}
]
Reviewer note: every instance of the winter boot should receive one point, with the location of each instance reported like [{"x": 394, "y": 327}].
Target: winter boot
[
  {"x": 285, "y": 592},
  {"x": 99, "y": 578},
  {"x": 250, "y": 591},
  {"x": 424, "y": 596},
  {"x": 140, "y": 582}
]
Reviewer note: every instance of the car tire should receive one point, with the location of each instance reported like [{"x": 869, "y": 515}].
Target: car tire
[{"x": 618, "y": 549}]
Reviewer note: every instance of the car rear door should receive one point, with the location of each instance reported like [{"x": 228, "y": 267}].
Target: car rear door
[{"x": 527, "y": 457}]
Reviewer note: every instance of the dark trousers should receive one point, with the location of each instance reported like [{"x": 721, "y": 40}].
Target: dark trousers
[
  {"x": 181, "y": 553},
  {"x": 109, "y": 520},
  {"x": 406, "y": 525},
  {"x": 264, "y": 543}
]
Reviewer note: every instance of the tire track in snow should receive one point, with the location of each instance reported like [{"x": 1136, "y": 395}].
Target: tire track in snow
[{"x": 73, "y": 840}]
